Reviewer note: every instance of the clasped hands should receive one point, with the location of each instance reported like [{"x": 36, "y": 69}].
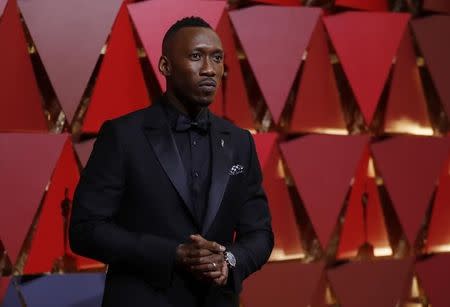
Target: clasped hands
[{"x": 204, "y": 259}]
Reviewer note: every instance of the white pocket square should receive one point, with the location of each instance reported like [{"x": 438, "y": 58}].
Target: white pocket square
[{"x": 236, "y": 169}]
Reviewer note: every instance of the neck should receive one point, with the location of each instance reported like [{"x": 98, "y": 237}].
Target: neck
[{"x": 188, "y": 109}]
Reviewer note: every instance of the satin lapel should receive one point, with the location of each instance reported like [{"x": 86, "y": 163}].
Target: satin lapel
[
  {"x": 221, "y": 164},
  {"x": 165, "y": 148}
]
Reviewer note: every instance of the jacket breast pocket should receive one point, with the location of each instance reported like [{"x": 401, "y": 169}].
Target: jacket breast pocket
[{"x": 236, "y": 184}]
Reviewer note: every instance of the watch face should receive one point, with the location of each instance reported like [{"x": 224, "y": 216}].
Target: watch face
[{"x": 231, "y": 259}]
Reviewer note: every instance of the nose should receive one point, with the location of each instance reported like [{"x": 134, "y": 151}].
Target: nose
[{"x": 208, "y": 68}]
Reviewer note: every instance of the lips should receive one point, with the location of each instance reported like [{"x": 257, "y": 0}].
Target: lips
[{"x": 208, "y": 84}]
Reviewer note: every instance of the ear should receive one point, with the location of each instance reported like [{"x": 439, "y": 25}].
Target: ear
[{"x": 164, "y": 66}]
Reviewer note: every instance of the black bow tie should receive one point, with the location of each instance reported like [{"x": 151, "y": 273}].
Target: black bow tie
[{"x": 184, "y": 123}]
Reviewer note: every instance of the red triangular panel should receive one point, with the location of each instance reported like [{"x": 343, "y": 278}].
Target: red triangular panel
[
  {"x": 318, "y": 104},
  {"x": 439, "y": 230},
  {"x": 371, "y": 284},
  {"x": 410, "y": 167},
  {"x": 4, "y": 283},
  {"x": 286, "y": 284},
  {"x": 218, "y": 104},
  {"x": 354, "y": 233},
  {"x": 432, "y": 36},
  {"x": 48, "y": 240},
  {"x": 20, "y": 100},
  {"x": 120, "y": 87},
  {"x": 237, "y": 108},
  {"x": 84, "y": 150},
  {"x": 434, "y": 275},
  {"x": 442, "y": 6},
  {"x": 280, "y": 2},
  {"x": 377, "y": 231},
  {"x": 406, "y": 103},
  {"x": 265, "y": 143},
  {"x": 322, "y": 167},
  {"x": 69, "y": 36},
  {"x": 287, "y": 235},
  {"x": 368, "y": 5},
  {"x": 366, "y": 44},
  {"x": 26, "y": 167},
  {"x": 262, "y": 30},
  {"x": 2, "y": 6},
  {"x": 153, "y": 18},
  {"x": 84, "y": 264}
]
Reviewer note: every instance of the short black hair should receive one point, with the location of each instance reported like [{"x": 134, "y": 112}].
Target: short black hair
[{"x": 192, "y": 21}]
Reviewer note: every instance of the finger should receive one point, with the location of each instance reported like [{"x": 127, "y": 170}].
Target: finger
[
  {"x": 213, "y": 246},
  {"x": 198, "y": 240},
  {"x": 212, "y": 275},
  {"x": 195, "y": 252},
  {"x": 225, "y": 269},
  {"x": 216, "y": 247},
  {"x": 221, "y": 280},
  {"x": 210, "y": 245},
  {"x": 194, "y": 261},
  {"x": 195, "y": 237},
  {"x": 217, "y": 258},
  {"x": 214, "y": 258},
  {"x": 206, "y": 267},
  {"x": 203, "y": 260}
]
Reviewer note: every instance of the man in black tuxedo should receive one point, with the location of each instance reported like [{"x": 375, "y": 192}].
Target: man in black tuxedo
[{"x": 171, "y": 196}]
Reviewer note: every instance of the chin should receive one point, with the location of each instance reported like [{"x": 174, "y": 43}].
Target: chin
[{"x": 205, "y": 101}]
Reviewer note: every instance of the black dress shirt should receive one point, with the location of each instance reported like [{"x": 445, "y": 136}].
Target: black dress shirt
[{"x": 195, "y": 151}]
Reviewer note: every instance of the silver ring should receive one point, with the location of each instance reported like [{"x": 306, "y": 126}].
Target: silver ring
[{"x": 214, "y": 265}]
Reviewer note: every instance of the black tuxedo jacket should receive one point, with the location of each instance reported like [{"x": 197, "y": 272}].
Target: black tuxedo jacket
[{"x": 132, "y": 208}]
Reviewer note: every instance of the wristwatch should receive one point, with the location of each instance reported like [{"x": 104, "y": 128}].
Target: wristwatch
[{"x": 230, "y": 259}]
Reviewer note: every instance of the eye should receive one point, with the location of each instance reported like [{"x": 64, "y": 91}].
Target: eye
[
  {"x": 218, "y": 58},
  {"x": 195, "y": 56}
]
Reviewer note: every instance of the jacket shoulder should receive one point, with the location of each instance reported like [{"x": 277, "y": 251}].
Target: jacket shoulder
[
  {"x": 136, "y": 119},
  {"x": 132, "y": 118}
]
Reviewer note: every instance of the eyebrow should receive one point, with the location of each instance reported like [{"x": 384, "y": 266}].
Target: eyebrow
[{"x": 202, "y": 48}]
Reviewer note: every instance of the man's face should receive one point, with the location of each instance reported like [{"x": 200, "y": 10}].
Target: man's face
[{"x": 195, "y": 60}]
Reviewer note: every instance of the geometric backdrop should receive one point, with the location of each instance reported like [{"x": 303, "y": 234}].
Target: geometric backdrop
[{"x": 348, "y": 102}]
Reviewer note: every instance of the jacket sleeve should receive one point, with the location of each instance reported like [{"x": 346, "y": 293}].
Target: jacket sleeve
[
  {"x": 93, "y": 232},
  {"x": 254, "y": 237}
]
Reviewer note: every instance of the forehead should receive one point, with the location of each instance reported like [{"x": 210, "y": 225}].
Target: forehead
[{"x": 189, "y": 38}]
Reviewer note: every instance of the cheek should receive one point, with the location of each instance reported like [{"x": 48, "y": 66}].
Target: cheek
[
  {"x": 190, "y": 74},
  {"x": 219, "y": 68}
]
